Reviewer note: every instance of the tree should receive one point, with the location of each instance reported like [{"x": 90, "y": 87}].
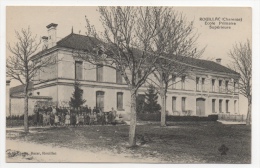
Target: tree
[
  {"x": 151, "y": 105},
  {"x": 124, "y": 45},
  {"x": 241, "y": 56},
  {"x": 21, "y": 65},
  {"x": 176, "y": 43},
  {"x": 76, "y": 100}
]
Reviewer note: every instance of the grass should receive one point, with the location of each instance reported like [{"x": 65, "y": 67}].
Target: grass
[{"x": 180, "y": 142}]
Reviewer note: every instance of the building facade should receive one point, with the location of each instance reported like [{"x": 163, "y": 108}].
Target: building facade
[{"x": 211, "y": 88}]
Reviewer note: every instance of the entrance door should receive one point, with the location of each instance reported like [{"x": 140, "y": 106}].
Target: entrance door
[
  {"x": 200, "y": 107},
  {"x": 100, "y": 100}
]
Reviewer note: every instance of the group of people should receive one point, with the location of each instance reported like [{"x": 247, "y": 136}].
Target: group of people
[{"x": 53, "y": 116}]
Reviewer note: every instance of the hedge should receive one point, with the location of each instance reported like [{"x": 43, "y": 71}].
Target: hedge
[{"x": 157, "y": 117}]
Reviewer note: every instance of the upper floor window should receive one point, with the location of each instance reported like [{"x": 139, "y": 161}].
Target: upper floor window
[
  {"x": 235, "y": 86},
  {"x": 139, "y": 74},
  {"x": 197, "y": 83},
  {"x": 78, "y": 70},
  {"x": 173, "y": 81},
  {"x": 213, "y": 85},
  {"x": 203, "y": 84},
  {"x": 220, "y": 85},
  {"x": 119, "y": 78},
  {"x": 226, "y": 86},
  {"x": 183, "y": 82},
  {"x": 99, "y": 72}
]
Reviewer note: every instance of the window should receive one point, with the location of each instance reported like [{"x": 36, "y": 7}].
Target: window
[
  {"x": 183, "y": 103},
  {"x": 213, "y": 85},
  {"x": 119, "y": 100},
  {"x": 203, "y": 84},
  {"x": 213, "y": 105},
  {"x": 235, "y": 106},
  {"x": 220, "y": 106},
  {"x": 139, "y": 75},
  {"x": 173, "y": 81},
  {"x": 78, "y": 70},
  {"x": 118, "y": 77},
  {"x": 226, "y": 86},
  {"x": 100, "y": 73},
  {"x": 227, "y": 106},
  {"x": 183, "y": 82},
  {"x": 140, "y": 100},
  {"x": 220, "y": 85},
  {"x": 197, "y": 83},
  {"x": 100, "y": 100},
  {"x": 174, "y": 104},
  {"x": 235, "y": 90}
]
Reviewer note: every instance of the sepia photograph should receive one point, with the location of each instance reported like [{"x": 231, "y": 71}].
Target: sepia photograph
[{"x": 128, "y": 84}]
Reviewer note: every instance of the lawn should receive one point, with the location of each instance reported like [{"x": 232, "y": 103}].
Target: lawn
[{"x": 180, "y": 142}]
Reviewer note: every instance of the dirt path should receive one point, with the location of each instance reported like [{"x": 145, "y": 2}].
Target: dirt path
[{"x": 47, "y": 153}]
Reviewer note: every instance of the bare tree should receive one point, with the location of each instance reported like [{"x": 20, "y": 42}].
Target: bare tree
[
  {"x": 21, "y": 66},
  {"x": 125, "y": 45},
  {"x": 241, "y": 56},
  {"x": 177, "y": 43}
]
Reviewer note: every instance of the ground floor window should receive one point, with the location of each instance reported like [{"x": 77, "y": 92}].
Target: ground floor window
[
  {"x": 227, "y": 101},
  {"x": 235, "y": 106},
  {"x": 100, "y": 100},
  {"x": 183, "y": 103},
  {"x": 213, "y": 105},
  {"x": 119, "y": 100},
  {"x": 220, "y": 106},
  {"x": 174, "y": 104}
]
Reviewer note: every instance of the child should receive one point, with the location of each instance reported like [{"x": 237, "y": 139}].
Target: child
[
  {"x": 52, "y": 117},
  {"x": 67, "y": 119},
  {"x": 81, "y": 119},
  {"x": 77, "y": 119},
  {"x": 44, "y": 118},
  {"x": 56, "y": 119}
]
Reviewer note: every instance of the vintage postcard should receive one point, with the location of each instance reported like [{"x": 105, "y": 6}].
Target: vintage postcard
[{"x": 128, "y": 84}]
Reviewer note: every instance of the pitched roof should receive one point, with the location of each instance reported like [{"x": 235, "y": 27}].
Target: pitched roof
[
  {"x": 20, "y": 88},
  {"x": 209, "y": 65},
  {"x": 86, "y": 43},
  {"x": 79, "y": 42}
]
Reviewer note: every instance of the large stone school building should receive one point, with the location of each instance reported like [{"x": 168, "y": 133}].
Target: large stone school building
[{"x": 213, "y": 89}]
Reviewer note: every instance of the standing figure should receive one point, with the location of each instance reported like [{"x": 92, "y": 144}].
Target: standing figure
[
  {"x": 48, "y": 117},
  {"x": 113, "y": 116},
  {"x": 52, "y": 118},
  {"x": 36, "y": 115},
  {"x": 62, "y": 119},
  {"x": 44, "y": 116},
  {"x": 56, "y": 119},
  {"x": 77, "y": 119},
  {"x": 67, "y": 119}
]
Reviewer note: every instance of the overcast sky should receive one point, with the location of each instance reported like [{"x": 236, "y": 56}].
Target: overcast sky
[{"x": 218, "y": 42}]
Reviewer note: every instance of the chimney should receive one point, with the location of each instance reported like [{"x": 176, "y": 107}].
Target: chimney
[
  {"x": 51, "y": 34},
  {"x": 45, "y": 42},
  {"x": 218, "y": 60}
]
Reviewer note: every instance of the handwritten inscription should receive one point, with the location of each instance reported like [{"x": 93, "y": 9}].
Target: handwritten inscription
[{"x": 220, "y": 22}]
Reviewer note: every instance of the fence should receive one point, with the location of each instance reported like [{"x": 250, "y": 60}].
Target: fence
[{"x": 232, "y": 117}]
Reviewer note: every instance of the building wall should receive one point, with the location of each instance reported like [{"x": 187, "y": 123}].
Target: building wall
[
  {"x": 17, "y": 106},
  {"x": 61, "y": 88}
]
